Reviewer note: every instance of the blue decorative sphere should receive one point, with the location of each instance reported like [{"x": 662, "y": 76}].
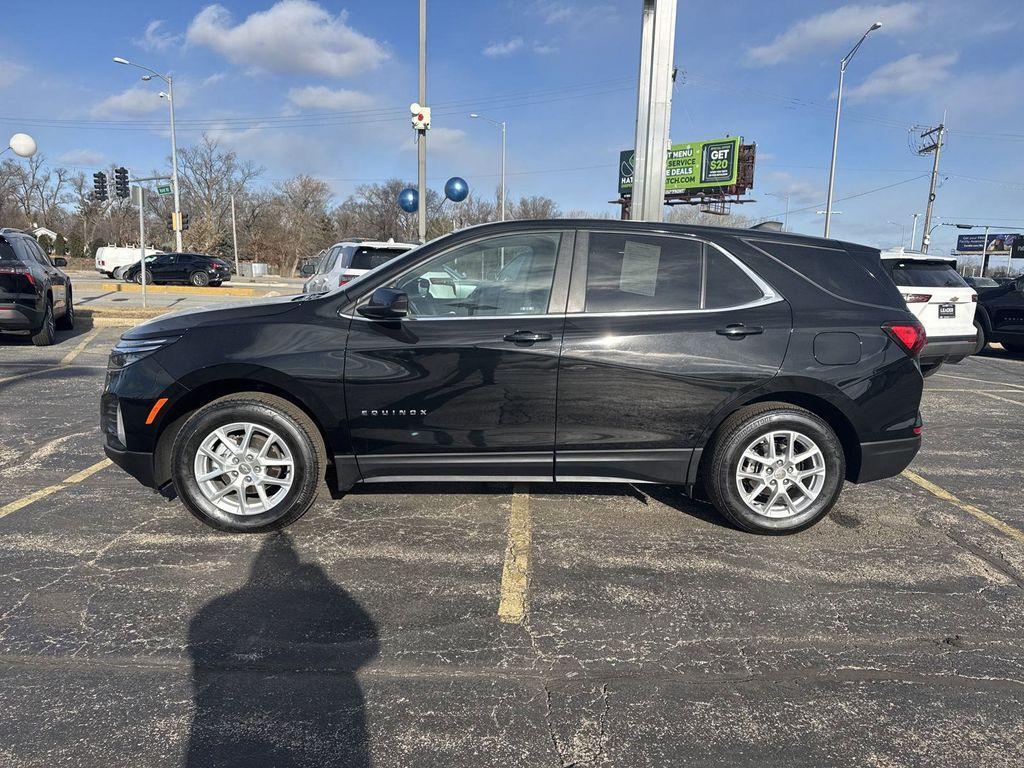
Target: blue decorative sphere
[
  {"x": 409, "y": 200},
  {"x": 456, "y": 189}
]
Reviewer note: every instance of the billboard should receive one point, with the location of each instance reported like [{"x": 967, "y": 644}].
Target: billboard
[
  {"x": 1001, "y": 243},
  {"x": 693, "y": 165}
]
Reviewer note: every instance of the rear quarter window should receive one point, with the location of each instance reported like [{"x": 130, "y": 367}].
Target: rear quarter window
[
  {"x": 852, "y": 274},
  {"x": 6, "y": 252},
  {"x": 925, "y": 274}
]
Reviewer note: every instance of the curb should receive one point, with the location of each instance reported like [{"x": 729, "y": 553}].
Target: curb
[{"x": 187, "y": 290}]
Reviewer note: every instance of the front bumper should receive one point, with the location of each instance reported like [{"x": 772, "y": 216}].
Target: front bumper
[
  {"x": 949, "y": 349},
  {"x": 136, "y": 463},
  {"x": 886, "y": 458}
]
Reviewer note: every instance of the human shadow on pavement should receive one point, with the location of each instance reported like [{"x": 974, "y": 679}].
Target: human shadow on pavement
[{"x": 274, "y": 669}]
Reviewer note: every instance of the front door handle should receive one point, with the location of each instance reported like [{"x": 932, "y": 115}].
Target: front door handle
[
  {"x": 739, "y": 330},
  {"x": 527, "y": 336}
]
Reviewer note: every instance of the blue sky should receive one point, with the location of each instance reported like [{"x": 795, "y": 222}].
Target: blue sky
[{"x": 323, "y": 88}]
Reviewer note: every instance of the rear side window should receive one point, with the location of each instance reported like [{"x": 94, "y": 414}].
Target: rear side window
[
  {"x": 6, "y": 252},
  {"x": 855, "y": 274},
  {"x": 368, "y": 258},
  {"x": 639, "y": 273},
  {"x": 925, "y": 274}
]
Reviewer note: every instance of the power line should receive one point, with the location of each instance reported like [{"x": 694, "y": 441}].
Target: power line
[{"x": 850, "y": 197}]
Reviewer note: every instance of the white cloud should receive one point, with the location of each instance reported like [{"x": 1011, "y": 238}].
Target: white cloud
[
  {"x": 833, "y": 28},
  {"x": 799, "y": 191},
  {"x": 213, "y": 79},
  {"x": 575, "y": 15},
  {"x": 154, "y": 40},
  {"x": 88, "y": 157},
  {"x": 10, "y": 71},
  {"x": 543, "y": 49},
  {"x": 319, "y": 97},
  {"x": 291, "y": 37},
  {"x": 506, "y": 48},
  {"x": 134, "y": 102},
  {"x": 442, "y": 140},
  {"x": 913, "y": 74}
]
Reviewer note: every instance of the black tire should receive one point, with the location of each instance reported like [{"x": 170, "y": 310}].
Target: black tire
[
  {"x": 47, "y": 331},
  {"x": 930, "y": 368},
  {"x": 740, "y": 430},
  {"x": 287, "y": 420},
  {"x": 199, "y": 279},
  {"x": 149, "y": 277},
  {"x": 979, "y": 345},
  {"x": 67, "y": 320},
  {"x": 1013, "y": 348}
]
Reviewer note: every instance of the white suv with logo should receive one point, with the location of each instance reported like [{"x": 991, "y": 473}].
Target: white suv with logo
[
  {"x": 344, "y": 262},
  {"x": 943, "y": 302}
]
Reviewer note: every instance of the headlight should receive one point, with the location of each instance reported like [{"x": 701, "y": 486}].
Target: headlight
[{"x": 129, "y": 351}]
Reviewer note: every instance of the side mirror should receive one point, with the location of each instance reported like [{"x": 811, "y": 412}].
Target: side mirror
[
  {"x": 59, "y": 262},
  {"x": 386, "y": 304},
  {"x": 307, "y": 270}
]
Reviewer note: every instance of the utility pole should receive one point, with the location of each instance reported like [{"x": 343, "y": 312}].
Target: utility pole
[
  {"x": 653, "y": 110},
  {"x": 421, "y": 134},
  {"x": 984, "y": 254},
  {"x": 234, "y": 236},
  {"x": 139, "y": 198},
  {"x": 936, "y": 147}
]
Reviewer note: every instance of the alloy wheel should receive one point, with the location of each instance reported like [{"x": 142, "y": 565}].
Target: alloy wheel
[
  {"x": 780, "y": 474},
  {"x": 244, "y": 468}
]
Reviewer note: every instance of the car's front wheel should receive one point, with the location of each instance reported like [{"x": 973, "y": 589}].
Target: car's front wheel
[
  {"x": 248, "y": 462},
  {"x": 774, "y": 468}
]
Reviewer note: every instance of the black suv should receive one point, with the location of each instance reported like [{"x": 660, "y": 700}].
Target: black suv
[
  {"x": 193, "y": 268},
  {"x": 35, "y": 295},
  {"x": 1001, "y": 315},
  {"x": 762, "y": 368}
]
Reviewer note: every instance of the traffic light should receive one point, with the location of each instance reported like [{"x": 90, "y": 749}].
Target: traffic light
[
  {"x": 184, "y": 221},
  {"x": 121, "y": 182},
  {"x": 170, "y": 223},
  {"x": 420, "y": 117},
  {"x": 99, "y": 186}
]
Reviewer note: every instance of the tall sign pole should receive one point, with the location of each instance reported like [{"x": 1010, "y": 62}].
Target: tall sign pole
[
  {"x": 139, "y": 198},
  {"x": 234, "y": 236},
  {"x": 421, "y": 133},
  {"x": 653, "y": 109}
]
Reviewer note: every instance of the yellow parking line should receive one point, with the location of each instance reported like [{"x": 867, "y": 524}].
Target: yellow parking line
[
  {"x": 970, "y": 509},
  {"x": 70, "y": 356},
  {"x": 42, "y": 493},
  {"x": 515, "y": 574}
]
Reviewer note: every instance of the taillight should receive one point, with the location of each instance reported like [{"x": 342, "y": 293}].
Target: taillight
[
  {"x": 347, "y": 277},
  {"x": 19, "y": 271},
  {"x": 910, "y": 336},
  {"x": 917, "y": 298},
  {"x": 974, "y": 298}
]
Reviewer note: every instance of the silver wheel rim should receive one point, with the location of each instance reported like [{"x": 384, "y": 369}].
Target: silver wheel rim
[
  {"x": 780, "y": 474},
  {"x": 244, "y": 468}
]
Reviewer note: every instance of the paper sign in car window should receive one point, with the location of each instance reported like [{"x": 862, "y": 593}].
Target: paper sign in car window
[{"x": 639, "y": 268}]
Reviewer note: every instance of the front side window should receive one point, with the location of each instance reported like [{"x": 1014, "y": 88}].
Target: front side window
[
  {"x": 650, "y": 273},
  {"x": 329, "y": 261},
  {"x": 478, "y": 279}
]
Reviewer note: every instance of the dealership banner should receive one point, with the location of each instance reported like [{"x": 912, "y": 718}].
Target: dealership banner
[
  {"x": 693, "y": 165},
  {"x": 998, "y": 243}
]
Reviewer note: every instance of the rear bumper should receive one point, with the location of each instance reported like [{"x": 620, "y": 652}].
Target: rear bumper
[
  {"x": 950, "y": 349},
  {"x": 886, "y": 458},
  {"x": 137, "y": 464},
  {"x": 17, "y": 317}
]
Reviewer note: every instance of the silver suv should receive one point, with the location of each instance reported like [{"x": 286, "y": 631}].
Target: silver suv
[{"x": 344, "y": 262}]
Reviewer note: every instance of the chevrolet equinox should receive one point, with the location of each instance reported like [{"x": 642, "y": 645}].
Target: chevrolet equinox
[{"x": 757, "y": 368}]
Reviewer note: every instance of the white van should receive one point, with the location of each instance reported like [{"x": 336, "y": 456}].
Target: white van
[
  {"x": 943, "y": 302},
  {"x": 113, "y": 261}
]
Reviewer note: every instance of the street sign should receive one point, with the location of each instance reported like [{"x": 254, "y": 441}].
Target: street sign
[
  {"x": 1000, "y": 243},
  {"x": 693, "y": 165},
  {"x": 163, "y": 189},
  {"x": 1017, "y": 248}
]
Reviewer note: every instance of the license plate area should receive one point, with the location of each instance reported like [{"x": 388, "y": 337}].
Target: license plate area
[{"x": 947, "y": 310}]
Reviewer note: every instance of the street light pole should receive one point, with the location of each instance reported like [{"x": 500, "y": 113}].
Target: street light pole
[
  {"x": 169, "y": 80},
  {"x": 913, "y": 232},
  {"x": 234, "y": 236},
  {"x": 421, "y": 135},
  {"x": 504, "y": 126},
  {"x": 835, "y": 134}
]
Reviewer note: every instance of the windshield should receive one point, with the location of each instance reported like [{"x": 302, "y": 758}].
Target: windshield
[{"x": 926, "y": 274}]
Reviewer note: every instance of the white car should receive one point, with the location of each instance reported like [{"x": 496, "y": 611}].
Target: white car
[
  {"x": 344, "y": 262},
  {"x": 943, "y": 302},
  {"x": 112, "y": 261}
]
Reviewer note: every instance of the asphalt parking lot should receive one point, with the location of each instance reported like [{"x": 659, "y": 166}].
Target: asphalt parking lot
[{"x": 491, "y": 625}]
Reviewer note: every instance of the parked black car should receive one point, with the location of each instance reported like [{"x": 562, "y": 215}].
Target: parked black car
[
  {"x": 1001, "y": 315},
  {"x": 193, "y": 268},
  {"x": 35, "y": 295},
  {"x": 763, "y": 368}
]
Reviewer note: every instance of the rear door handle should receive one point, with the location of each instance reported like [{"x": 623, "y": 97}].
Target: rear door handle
[
  {"x": 738, "y": 330},
  {"x": 525, "y": 336}
]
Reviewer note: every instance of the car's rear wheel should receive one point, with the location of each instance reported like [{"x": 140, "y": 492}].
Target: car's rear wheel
[
  {"x": 48, "y": 328},
  {"x": 117, "y": 273},
  {"x": 929, "y": 369},
  {"x": 979, "y": 344},
  {"x": 774, "y": 468},
  {"x": 199, "y": 279},
  {"x": 67, "y": 321},
  {"x": 1013, "y": 347},
  {"x": 248, "y": 462}
]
